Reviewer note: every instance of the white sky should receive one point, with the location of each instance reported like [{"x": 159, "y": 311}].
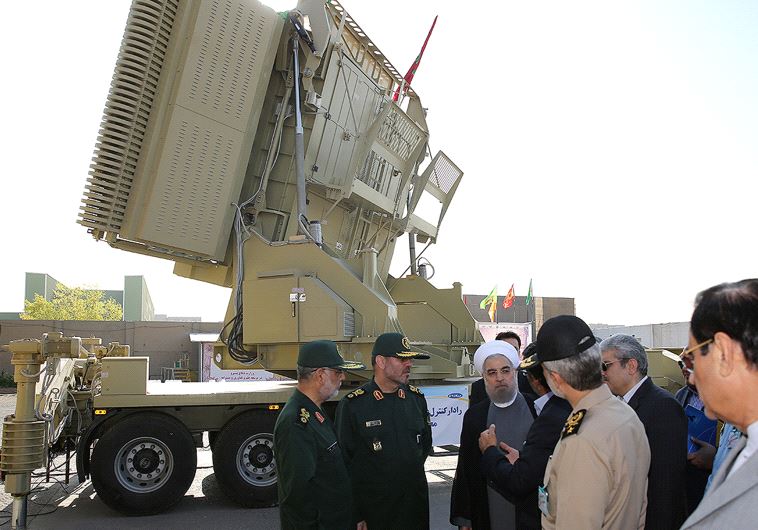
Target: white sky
[{"x": 609, "y": 147}]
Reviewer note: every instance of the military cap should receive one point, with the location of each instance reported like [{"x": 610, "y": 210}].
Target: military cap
[
  {"x": 324, "y": 354},
  {"x": 563, "y": 336},
  {"x": 530, "y": 357},
  {"x": 395, "y": 345}
]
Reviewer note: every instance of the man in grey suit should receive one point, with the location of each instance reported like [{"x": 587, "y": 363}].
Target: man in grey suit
[{"x": 724, "y": 346}]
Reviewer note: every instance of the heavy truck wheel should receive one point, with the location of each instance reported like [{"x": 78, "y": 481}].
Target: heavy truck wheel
[
  {"x": 143, "y": 464},
  {"x": 243, "y": 460}
]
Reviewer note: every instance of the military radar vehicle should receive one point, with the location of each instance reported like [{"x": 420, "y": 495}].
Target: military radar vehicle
[{"x": 281, "y": 155}]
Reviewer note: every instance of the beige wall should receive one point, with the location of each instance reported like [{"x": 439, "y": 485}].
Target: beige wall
[{"x": 163, "y": 342}]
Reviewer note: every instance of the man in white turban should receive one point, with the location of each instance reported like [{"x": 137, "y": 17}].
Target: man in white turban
[{"x": 474, "y": 504}]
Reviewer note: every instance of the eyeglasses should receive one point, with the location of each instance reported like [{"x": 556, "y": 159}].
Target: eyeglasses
[
  {"x": 605, "y": 364},
  {"x": 689, "y": 351}
]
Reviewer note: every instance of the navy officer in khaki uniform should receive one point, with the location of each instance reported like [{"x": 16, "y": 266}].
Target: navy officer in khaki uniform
[
  {"x": 314, "y": 487},
  {"x": 597, "y": 476},
  {"x": 385, "y": 434}
]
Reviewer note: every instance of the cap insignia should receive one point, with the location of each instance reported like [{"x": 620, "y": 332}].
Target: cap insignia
[
  {"x": 573, "y": 423},
  {"x": 304, "y": 415},
  {"x": 406, "y": 343}
]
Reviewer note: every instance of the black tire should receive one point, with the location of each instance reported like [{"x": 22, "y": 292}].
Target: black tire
[
  {"x": 163, "y": 473},
  {"x": 243, "y": 460}
]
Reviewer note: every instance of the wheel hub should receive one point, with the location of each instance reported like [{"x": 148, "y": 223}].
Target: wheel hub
[
  {"x": 143, "y": 464},
  {"x": 255, "y": 460}
]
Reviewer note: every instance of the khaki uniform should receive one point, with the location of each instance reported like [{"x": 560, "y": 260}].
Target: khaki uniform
[{"x": 597, "y": 476}]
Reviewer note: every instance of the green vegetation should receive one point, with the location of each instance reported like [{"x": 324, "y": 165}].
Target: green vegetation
[
  {"x": 6, "y": 380},
  {"x": 72, "y": 304}
]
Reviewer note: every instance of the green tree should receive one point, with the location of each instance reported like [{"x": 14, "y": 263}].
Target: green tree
[{"x": 72, "y": 304}]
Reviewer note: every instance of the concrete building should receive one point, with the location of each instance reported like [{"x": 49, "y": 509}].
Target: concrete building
[
  {"x": 667, "y": 335},
  {"x": 134, "y": 299}
]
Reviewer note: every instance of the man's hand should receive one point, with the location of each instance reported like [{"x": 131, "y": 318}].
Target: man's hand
[
  {"x": 362, "y": 526},
  {"x": 510, "y": 453},
  {"x": 487, "y": 439},
  {"x": 703, "y": 457}
]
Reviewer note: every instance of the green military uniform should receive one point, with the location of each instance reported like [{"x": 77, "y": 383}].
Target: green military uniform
[
  {"x": 314, "y": 487},
  {"x": 313, "y": 482},
  {"x": 385, "y": 439}
]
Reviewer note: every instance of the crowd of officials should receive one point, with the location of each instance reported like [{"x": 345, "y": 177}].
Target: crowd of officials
[{"x": 571, "y": 433}]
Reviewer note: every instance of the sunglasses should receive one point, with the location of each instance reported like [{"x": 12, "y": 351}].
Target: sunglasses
[
  {"x": 605, "y": 364},
  {"x": 689, "y": 351}
]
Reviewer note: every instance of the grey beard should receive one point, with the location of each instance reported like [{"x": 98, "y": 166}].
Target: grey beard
[{"x": 504, "y": 396}]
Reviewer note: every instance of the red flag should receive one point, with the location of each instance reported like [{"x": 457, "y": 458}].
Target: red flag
[
  {"x": 412, "y": 70},
  {"x": 508, "y": 301}
]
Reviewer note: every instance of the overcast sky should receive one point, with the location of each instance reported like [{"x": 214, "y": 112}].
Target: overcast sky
[{"x": 609, "y": 147}]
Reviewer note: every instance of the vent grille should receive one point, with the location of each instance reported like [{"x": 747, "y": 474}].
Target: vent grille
[
  {"x": 348, "y": 324},
  {"x": 445, "y": 174},
  {"x": 130, "y": 100}
]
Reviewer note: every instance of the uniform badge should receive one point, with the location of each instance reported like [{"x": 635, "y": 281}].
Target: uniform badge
[
  {"x": 416, "y": 390},
  {"x": 373, "y": 423},
  {"x": 359, "y": 391},
  {"x": 304, "y": 415},
  {"x": 319, "y": 417},
  {"x": 377, "y": 445},
  {"x": 573, "y": 423},
  {"x": 401, "y": 393},
  {"x": 378, "y": 395}
]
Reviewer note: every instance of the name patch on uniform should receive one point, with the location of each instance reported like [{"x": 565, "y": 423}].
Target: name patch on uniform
[
  {"x": 572, "y": 424},
  {"x": 373, "y": 423}
]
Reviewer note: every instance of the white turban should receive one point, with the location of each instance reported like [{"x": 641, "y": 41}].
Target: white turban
[{"x": 495, "y": 347}]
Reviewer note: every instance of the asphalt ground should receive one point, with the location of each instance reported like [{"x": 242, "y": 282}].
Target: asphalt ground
[{"x": 58, "y": 505}]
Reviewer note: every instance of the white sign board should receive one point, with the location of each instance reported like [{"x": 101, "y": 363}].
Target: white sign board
[
  {"x": 489, "y": 331},
  {"x": 447, "y": 405},
  {"x": 211, "y": 372}
]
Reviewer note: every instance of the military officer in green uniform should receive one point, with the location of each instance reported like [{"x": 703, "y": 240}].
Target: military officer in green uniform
[
  {"x": 314, "y": 487},
  {"x": 384, "y": 430}
]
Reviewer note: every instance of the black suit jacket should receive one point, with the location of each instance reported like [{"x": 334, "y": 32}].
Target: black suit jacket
[
  {"x": 666, "y": 429},
  {"x": 469, "y": 496},
  {"x": 518, "y": 482}
]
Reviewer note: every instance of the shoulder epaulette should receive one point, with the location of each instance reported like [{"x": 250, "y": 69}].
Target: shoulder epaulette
[
  {"x": 415, "y": 389},
  {"x": 355, "y": 393},
  {"x": 572, "y": 424},
  {"x": 304, "y": 415}
]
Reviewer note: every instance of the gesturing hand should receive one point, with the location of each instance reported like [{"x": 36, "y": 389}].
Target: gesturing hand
[{"x": 487, "y": 439}]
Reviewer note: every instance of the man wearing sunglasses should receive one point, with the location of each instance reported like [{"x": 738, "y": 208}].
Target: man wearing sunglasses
[
  {"x": 314, "y": 487},
  {"x": 597, "y": 477},
  {"x": 624, "y": 369},
  {"x": 724, "y": 347}
]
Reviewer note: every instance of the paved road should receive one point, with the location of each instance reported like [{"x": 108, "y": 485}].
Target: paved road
[{"x": 76, "y": 506}]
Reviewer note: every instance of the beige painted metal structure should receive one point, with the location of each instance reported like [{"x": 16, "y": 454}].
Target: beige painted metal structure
[{"x": 199, "y": 161}]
